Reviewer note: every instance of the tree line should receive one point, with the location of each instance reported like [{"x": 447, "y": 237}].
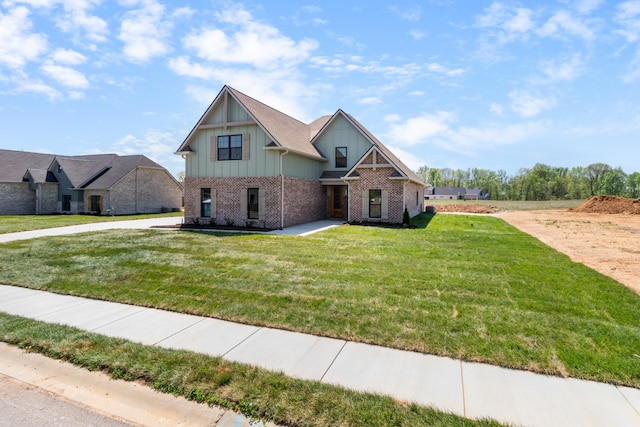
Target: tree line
[{"x": 541, "y": 182}]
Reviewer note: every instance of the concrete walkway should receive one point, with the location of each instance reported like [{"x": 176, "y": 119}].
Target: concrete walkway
[
  {"x": 296, "y": 230},
  {"x": 471, "y": 390}
]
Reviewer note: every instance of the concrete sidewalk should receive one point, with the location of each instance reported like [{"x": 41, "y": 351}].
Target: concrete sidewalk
[{"x": 472, "y": 390}]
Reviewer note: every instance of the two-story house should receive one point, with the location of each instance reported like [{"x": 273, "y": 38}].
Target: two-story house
[{"x": 250, "y": 164}]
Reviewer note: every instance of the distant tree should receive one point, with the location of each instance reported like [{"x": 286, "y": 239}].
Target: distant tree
[
  {"x": 181, "y": 175},
  {"x": 614, "y": 182},
  {"x": 633, "y": 185},
  {"x": 423, "y": 172},
  {"x": 433, "y": 177},
  {"x": 595, "y": 174}
]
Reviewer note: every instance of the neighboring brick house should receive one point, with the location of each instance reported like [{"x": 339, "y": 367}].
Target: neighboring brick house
[
  {"x": 455, "y": 193},
  {"x": 249, "y": 164},
  {"x": 35, "y": 183}
]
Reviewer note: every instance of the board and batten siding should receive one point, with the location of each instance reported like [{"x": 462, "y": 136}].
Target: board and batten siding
[
  {"x": 341, "y": 133},
  {"x": 296, "y": 166},
  {"x": 260, "y": 162}
]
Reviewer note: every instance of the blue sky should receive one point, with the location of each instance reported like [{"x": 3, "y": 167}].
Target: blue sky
[{"x": 457, "y": 84}]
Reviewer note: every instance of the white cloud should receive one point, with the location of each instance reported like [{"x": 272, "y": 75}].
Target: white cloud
[
  {"x": 438, "y": 130},
  {"x": 411, "y": 160},
  {"x": 252, "y": 43},
  {"x": 528, "y": 105},
  {"x": 370, "y": 100},
  {"x": 509, "y": 19},
  {"x": 66, "y": 76},
  {"x": 587, "y": 6},
  {"x": 417, "y": 35},
  {"x": 563, "y": 22},
  {"x": 420, "y": 129},
  {"x": 628, "y": 15},
  {"x": 412, "y": 14},
  {"x": 75, "y": 19},
  {"x": 496, "y": 109},
  {"x": 37, "y": 88},
  {"x": 159, "y": 146},
  {"x": 565, "y": 71},
  {"x": 144, "y": 32},
  {"x": 68, "y": 57},
  {"x": 17, "y": 45}
]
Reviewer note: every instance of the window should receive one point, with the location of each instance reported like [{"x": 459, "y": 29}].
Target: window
[
  {"x": 341, "y": 157},
  {"x": 230, "y": 147},
  {"x": 66, "y": 202},
  {"x": 375, "y": 203},
  {"x": 253, "y": 203},
  {"x": 205, "y": 202}
]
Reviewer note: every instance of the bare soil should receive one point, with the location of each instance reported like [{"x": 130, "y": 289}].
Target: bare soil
[{"x": 607, "y": 242}]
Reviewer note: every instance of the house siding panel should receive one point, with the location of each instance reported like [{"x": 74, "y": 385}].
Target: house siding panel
[
  {"x": 340, "y": 133},
  {"x": 260, "y": 162},
  {"x": 301, "y": 167}
]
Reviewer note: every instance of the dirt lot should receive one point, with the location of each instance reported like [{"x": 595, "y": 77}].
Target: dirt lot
[{"x": 608, "y": 243}]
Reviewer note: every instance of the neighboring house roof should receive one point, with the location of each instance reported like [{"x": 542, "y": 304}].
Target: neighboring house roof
[
  {"x": 99, "y": 171},
  {"x": 14, "y": 164},
  {"x": 475, "y": 191},
  {"x": 291, "y": 134},
  {"x": 446, "y": 191},
  {"x": 39, "y": 176},
  {"x": 117, "y": 169}
]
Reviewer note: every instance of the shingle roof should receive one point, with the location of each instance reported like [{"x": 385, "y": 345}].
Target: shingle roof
[
  {"x": 14, "y": 164},
  {"x": 287, "y": 132},
  {"x": 99, "y": 171}
]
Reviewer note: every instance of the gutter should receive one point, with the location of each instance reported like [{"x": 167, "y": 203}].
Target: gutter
[{"x": 284, "y": 153}]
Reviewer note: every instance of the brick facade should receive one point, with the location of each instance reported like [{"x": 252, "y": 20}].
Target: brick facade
[
  {"x": 305, "y": 201},
  {"x": 143, "y": 190},
  {"x": 378, "y": 179},
  {"x": 16, "y": 198},
  {"x": 228, "y": 200}
]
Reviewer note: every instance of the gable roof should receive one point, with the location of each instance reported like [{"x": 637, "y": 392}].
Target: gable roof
[
  {"x": 285, "y": 132},
  {"x": 98, "y": 171},
  {"x": 14, "y": 164},
  {"x": 403, "y": 169},
  {"x": 291, "y": 134}
]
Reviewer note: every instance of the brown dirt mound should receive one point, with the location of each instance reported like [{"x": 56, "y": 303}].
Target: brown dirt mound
[
  {"x": 609, "y": 205},
  {"x": 467, "y": 208}
]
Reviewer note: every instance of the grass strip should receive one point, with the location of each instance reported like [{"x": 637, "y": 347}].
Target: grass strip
[
  {"x": 467, "y": 287},
  {"x": 254, "y": 392}
]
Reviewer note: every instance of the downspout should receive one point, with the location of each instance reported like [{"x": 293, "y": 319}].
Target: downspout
[
  {"x": 348, "y": 202},
  {"x": 284, "y": 153},
  {"x": 404, "y": 194}
]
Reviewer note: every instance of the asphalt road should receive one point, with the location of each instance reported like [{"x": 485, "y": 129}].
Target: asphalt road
[{"x": 24, "y": 405}]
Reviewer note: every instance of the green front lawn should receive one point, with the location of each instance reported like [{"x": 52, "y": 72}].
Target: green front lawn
[
  {"x": 467, "y": 287},
  {"x": 16, "y": 223}
]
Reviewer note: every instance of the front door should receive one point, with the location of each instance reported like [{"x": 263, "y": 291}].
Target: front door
[{"x": 337, "y": 201}]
